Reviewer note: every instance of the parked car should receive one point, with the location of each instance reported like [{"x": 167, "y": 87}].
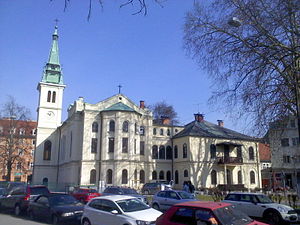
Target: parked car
[
  {"x": 152, "y": 188},
  {"x": 84, "y": 194},
  {"x": 56, "y": 208},
  {"x": 118, "y": 209},
  {"x": 258, "y": 205},
  {"x": 205, "y": 213},
  {"x": 163, "y": 200},
  {"x": 19, "y": 196},
  {"x": 2, "y": 192},
  {"x": 113, "y": 190}
]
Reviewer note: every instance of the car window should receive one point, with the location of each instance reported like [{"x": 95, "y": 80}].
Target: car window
[
  {"x": 203, "y": 215},
  {"x": 127, "y": 191},
  {"x": 42, "y": 200},
  {"x": 229, "y": 215},
  {"x": 184, "y": 216},
  {"x": 108, "y": 206},
  {"x": 62, "y": 200},
  {"x": 172, "y": 195},
  {"x": 113, "y": 191},
  {"x": 245, "y": 198},
  {"x": 232, "y": 197},
  {"x": 161, "y": 194},
  {"x": 96, "y": 204},
  {"x": 185, "y": 195},
  {"x": 264, "y": 199},
  {"x": 132, "y": 205},
  {"x": 18, "y": 190},
  {"x": 39, "y": 190},
  {"x": 92, "y": 191}
]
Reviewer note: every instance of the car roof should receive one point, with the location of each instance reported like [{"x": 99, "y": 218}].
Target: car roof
[
  {"x": 245, "y": 193},
  {"x": 205, "y": 204},
  {"x": 115, "y": 197}
]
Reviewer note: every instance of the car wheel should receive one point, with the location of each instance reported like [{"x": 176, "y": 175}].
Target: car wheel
[
  {"x": 273, "y": 217},
  {"x": 17, "y": 210},
  {"x": 55, "y": 220},
  {"x": 155, "y": 206},
  {"x": 86, "y": 222}
]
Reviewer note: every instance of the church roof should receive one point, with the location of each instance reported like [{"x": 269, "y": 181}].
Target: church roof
[
  {"x": 120, "y": 107},
  {"x": 206, "y": 129}
]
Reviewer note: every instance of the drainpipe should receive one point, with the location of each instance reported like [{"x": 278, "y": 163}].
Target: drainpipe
[{"x": 58, "y": 157}]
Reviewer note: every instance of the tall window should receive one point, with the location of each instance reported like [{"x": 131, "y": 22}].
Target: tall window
[
  {"x": 252, "y": 177},
  {"x": 142, "y": 176},
  {"x": 109, "y": 176},
  {"x": 94, "y": 145},
  {"x": 251, "y": 153},
  {"x": 124, "y": 177},
  {"x": 49, "y": 96},
  {"x": 161, "y": 132},
  {"x": 169, "y": 152},
  {"x": 53, "y": 96},
  {"x": 154, "y": 131},
  {"x": 95, "y": 127},
  {"x": 213, "y": 176},
  {"x": 168, "y": 132},
  {"x": 135, "y": 175},
  {"x": 176, "y": 177},
  {"x": 162, "y": 152},
  {"x": 240, "y": 178},
  {"x": 154, "y": 175},
  {"x": 142, "y": 148},
  {"x": 142, "y": 130},
  {"x": 184, "y": 151},
  {"x": 161, "y": 175},
  {"x": 185, "y": 173},
  {"x": 175, "y": 152},
  {"x": 47, "y": 150},
  {"x": 213, "y": 151},
  {"x": 154, "y": 152},
  {"x": 112, "y": 126},
  {"x": 111, "y": 144},
  {"x": 93, "y": 176},
  {"x": 125, "y": 145},
  {"x": 169, "y": 175},
  {"x": 239, "y": 152},
  {"x": 125, "y": 126}
]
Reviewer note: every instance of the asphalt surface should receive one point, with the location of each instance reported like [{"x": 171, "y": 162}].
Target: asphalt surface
[{"x": 9, "y": 219}]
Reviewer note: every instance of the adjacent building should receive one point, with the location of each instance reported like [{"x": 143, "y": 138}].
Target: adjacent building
[{"x": 116, "y": 142}]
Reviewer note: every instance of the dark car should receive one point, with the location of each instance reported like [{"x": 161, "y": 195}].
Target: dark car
[
  {"x": 112, "y": 190},
  {"x": 56, "y": 208},
  {"x": 84, "y": 194},
  {"x": 19, "y": 196}
]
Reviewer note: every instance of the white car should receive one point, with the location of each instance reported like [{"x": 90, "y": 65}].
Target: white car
[
  {"x": 258, "y": 205},
  {"x": 118, "y": 210}
]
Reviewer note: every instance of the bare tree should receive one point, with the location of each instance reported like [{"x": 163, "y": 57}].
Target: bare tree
[
  {"x": 250, "y": 49},
  {"x": 162, "y": 110},
  {"x": 15, "y": 144}
]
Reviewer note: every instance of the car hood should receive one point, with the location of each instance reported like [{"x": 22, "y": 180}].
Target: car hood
[
  {"x": 145, "y": 215},
  {"x": 277, "y": 206},
  {"x": 68, "y": 208}
]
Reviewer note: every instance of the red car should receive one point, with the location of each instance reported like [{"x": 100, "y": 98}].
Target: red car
[
  {"x": 205, "y": 213},
  {"x": 85, "y": 194}
]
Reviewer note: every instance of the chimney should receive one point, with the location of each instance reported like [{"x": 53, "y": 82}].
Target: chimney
[
  {"x": 142, "y": 104},
  {"x": 220, "y": 123},
  {"x": 165, "y": 120},
  {"x": 199, "y": 117}
]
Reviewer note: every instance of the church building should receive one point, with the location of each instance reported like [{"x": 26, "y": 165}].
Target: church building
[{"x": 117, "y": 142}]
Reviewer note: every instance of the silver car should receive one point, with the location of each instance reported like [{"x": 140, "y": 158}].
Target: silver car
[{"x": 163, "y": 200}]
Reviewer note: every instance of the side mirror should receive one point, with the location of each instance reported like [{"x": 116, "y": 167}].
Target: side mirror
[{"x": 114, "y": 212}]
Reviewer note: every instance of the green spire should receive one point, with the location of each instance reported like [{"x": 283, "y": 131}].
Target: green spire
[{"x": 52, "y": 70}]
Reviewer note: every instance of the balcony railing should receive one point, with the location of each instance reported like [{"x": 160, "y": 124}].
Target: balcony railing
[{"x": 229, "y": 160}]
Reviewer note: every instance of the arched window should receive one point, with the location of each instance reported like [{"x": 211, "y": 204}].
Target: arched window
[
  {"x": 47, "y": 150},
  {"x": 162, "y": 152},
  {"x": 93, "y": 176},
  {"x": 95, "y": 127},
  {"x": 228, "y": 177},
  {"x": 124, "y": 177},
  {"x": 142, "y": 130},
  {"x": 154, "y": 131},
  {"x": 213, "y": 151},
  {"x": 109, "y": 176},
  {"x": 252, "y": 177},
  {"x": 175, "y": 152},
  {"x": 125, "y": 126},
  {"x": 45, "y": 181},
  {"x": 135, "y": 176},
  {"x": 251, "y": 153},
  {"x": 239, "y": 152},
  {"x": 112, "y": 126},
  {"x": 161, "y": 175},
  {"x": 161, "y": 132},
  {"x": 53, "y": 96},
  {"x": 184, "y": 151},
  {"x": 168, "y": 132},
  {"x": 185, "y": 173},
  {"x": 142, "y": 176},
  {"x": 154, "y": 175},
  {"x": 169, "y": 175},
  {"x": 169, "y": 152},
  {"x": 154, "y": 152},
  {"x": 176, "y": 177},
  {"x": 240, "y": 178},
  {"x": 49, "y": 96},
  {"x": 213, "y": 177}
]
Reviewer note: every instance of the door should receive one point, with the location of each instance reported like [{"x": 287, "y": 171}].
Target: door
[
  {"x": 171, "y": 199},
  {"x": 226, "y": 152}
]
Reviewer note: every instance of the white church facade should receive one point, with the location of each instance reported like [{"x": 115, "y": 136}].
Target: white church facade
[{"x": 116, "y": 142}]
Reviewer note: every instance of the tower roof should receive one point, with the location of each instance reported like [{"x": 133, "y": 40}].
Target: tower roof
[{"x": 52, "y": 71}]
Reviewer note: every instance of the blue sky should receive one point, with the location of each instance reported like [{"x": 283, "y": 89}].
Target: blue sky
[{"x": 142, "y": 53}]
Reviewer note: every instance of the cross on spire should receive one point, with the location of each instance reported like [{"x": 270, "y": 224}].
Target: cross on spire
[
  {"x": 56, "y": 22},
  {"x": 119, "y": 86}
]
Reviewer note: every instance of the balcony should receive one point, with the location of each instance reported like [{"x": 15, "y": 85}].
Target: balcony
[{"x": 229, "y": 160}]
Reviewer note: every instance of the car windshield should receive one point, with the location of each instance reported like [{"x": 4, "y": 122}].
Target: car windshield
[
  {"x": 264, "y": 199},
  {"x": 129, "y": 191},
  {"x": 230, "y": 215},
  {"x": 185, "y": 195},
  {"x": 132, "y": 205},
  {"x": 92, "y": 191},
  {"x": 62, "y": 200}
]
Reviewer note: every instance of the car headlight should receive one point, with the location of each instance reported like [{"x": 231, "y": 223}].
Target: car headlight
[
  {"x": 141, "y": 222},
  {"x": 282, "y": 209},
  {"x": 67, "y": 214}
]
